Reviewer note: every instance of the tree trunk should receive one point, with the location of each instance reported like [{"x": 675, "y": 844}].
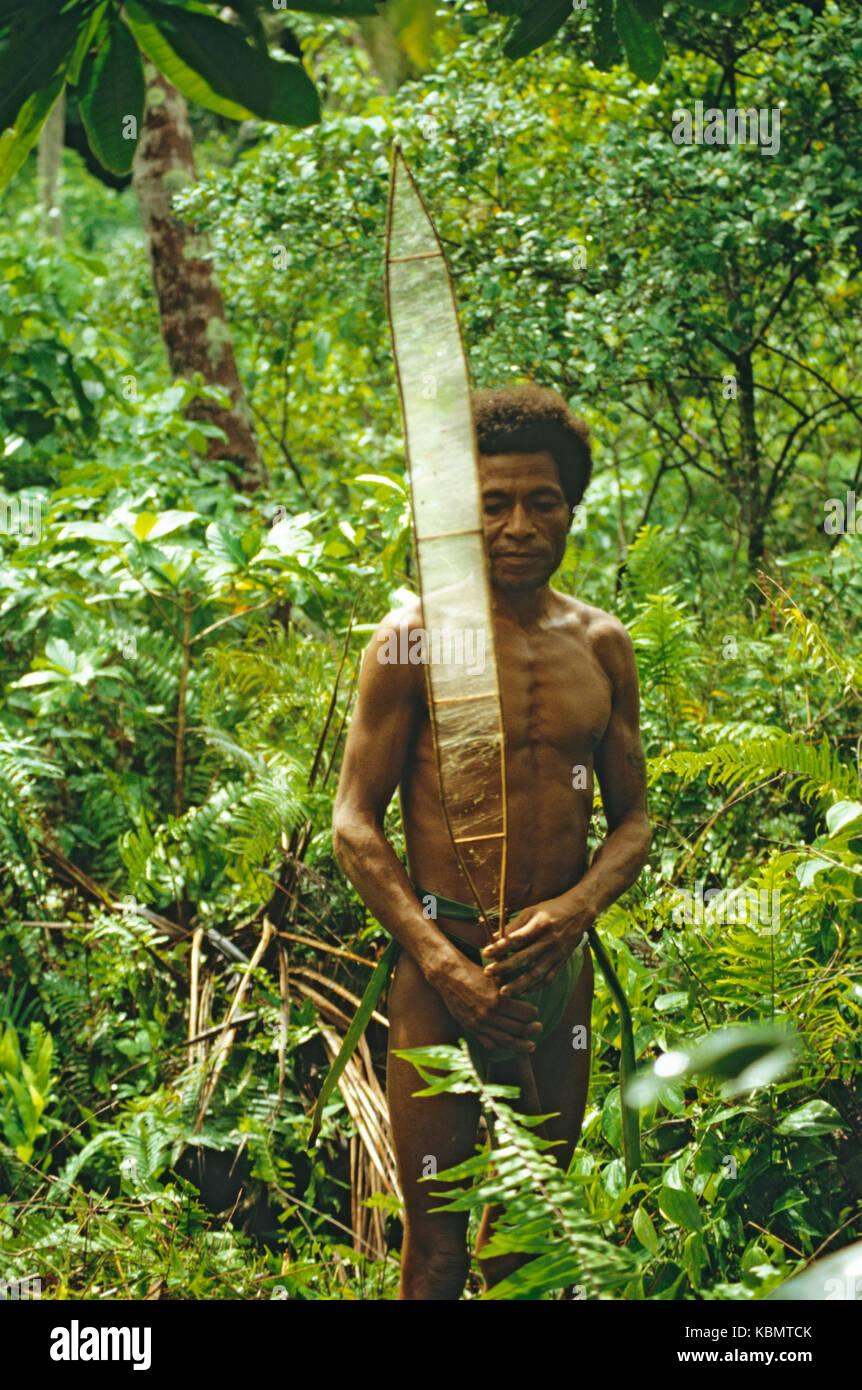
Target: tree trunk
[
  {"x": 754, "y": 518},
  {"x": 50, "y": 160},
  {"x": 191, "y": 309}
]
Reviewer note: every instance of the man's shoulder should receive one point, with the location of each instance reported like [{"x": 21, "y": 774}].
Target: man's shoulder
[
  {"x": 408, "y": 616},
  {"x": 595, "y": 623},
  {"x": 390, "y": 662}
]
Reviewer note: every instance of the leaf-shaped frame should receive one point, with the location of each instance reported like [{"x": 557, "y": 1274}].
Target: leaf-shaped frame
[{"x": 434, "y": 384}]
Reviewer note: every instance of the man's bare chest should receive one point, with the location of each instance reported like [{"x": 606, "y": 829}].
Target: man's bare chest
[{"x": 556, "y": 697}]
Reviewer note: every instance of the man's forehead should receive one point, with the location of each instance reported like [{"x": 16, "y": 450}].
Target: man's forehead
[{"x": 519, "y": 469}]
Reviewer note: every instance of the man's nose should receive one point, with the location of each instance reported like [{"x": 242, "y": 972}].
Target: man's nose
[{"x": 519, "y": 522}]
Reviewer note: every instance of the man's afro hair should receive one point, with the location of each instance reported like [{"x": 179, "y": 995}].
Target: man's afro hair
[{"x": 528, "y": 419}]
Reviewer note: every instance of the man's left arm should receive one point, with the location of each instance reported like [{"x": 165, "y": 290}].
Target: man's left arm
[{"x": 544, "y": 936}]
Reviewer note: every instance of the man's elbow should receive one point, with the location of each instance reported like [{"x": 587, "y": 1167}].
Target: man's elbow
[{"x": 351, "y": 835}]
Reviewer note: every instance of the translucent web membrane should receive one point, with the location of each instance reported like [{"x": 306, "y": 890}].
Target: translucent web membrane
[{"x": 463, "y": 686}]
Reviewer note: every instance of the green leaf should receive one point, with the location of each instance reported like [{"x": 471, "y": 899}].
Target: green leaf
[
  {"x": 153, "y": 43},
  {"x": 112, "y": 100},
  {"x": 607, "y": 50},
  {"x": 680, "y": 1207},
  {"x": 38, "y": 678},
  {"x": 725, "y": 7},
  {"x": 650, "y": 9},
  {"x": 816, "y": 1117},
  {"x": 535, "y": 26},
  {"x": 841, "y": 814},
  {"x": 675, "y": 1000},
  {"x": 641, "y": 41},
  {"x": 742, "y": 1058},
  {"x": 645, "y": 1230},
  {"x": 151, "y": 525},
  {"x": 30, "y": 54},
  {"x": 91, "y": 531},
  {"x": 16, "y": 144},
  {"x": 89, "y": 35},
  {"x": 611, "y": 1118},
  {"x": 374, "y": 989},
  {"x": 275, "y": 91}
]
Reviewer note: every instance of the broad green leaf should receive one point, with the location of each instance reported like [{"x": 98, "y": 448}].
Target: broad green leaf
[
  {"x": 841, "y": 814},
  {"x": 39, "y": 678},
  {"x": 16, "y": 144},
  {"x": 680, "y": 1207},
  {"x": 677, "y": 999},
  {"x": 807, "y": 871},
  {"x": 741, "y": 1058},
  {"x": 641, "y": 41},
  {"x": 153, "y": 43},
  {"x": 607, "y": 49},
  {"x": 275, "y": 91},
  {"x": 393, "y": 483},
  {"x": 535, "y": 26},
  {"x": 815, "y": 1117},
  {"x": 150, "y": 525},
  {"x": 645, "y": 1230},
  {"x": 111, "y": 100},
  {"x": 30, "y": 54},
  {"x": 61, "y": 654},
  {"x": 91, "y": 531}
]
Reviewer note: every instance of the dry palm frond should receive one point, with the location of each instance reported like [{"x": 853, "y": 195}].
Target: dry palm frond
[{"x": 224, "y": 1042}]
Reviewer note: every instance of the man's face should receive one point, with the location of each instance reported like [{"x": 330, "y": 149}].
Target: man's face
[{"x": 526, "y": 518}]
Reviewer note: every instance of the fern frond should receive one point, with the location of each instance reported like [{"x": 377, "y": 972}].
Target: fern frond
[
  {"x": 815, "y": 768},
  {"x": 542, "y": 1214}
]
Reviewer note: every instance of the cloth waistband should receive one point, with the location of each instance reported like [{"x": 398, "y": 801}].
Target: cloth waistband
[{"x": 455, "y": 911}]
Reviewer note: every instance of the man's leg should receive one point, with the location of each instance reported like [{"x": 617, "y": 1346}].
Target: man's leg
[
  {"x": 430, "y": 1134},
  {"x": 561, "y": 1066}
]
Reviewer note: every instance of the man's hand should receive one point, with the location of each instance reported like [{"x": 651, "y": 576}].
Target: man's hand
[
  {"x": 537, "y": 943},
  {"x": 478, "y": 1004}
]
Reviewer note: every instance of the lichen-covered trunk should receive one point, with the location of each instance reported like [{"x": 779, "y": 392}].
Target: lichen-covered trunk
[{"x": 191, "y": 310}]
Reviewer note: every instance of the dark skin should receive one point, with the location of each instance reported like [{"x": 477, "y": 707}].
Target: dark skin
[{"x": 569, "y": 694}]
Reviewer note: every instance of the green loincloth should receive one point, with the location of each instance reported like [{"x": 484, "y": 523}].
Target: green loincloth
[{"x": 550, "y": 1001}]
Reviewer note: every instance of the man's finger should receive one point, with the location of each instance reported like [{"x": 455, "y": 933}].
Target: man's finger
[
  {"x": 517, "y": 962},
  {"x": 514, "y": 938},
  {"x": 518, "y": 1008},
  {"x": 529, "y": 982},
  {"x": 511, "y": 1024}
]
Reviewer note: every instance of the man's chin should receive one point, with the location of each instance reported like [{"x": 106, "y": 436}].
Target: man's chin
[{"x": 519, "y": 584}]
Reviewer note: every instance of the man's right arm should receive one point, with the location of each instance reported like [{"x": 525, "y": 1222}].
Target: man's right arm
[
  {"x": 378, "y": 740},
  {"x": 374, "y": 756}
]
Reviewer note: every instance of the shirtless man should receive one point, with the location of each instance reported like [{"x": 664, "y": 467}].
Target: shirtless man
[{"x": 569, "y": 695}]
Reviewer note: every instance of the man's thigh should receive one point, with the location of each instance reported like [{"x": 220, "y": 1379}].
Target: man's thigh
[
  {"x": 430, "y": 1133},
  {"x": 561, "y": 1066}
]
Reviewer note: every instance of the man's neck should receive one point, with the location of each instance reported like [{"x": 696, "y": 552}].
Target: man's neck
[{"x": 521, "y": 606}]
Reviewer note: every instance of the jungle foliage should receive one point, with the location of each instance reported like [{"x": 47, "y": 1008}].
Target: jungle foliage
[{"x": 181, "y": 955}]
